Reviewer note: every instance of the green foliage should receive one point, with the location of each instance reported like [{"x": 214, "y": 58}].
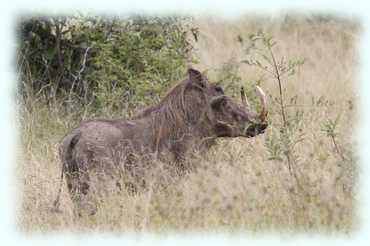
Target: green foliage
[{"x": 103, "y": 63}]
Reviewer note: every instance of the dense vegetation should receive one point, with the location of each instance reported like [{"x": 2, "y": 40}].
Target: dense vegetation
[{"x": 101, "y": 64}]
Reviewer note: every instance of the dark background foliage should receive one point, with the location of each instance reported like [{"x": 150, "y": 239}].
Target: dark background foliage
[{"x": 100, "y": 63}]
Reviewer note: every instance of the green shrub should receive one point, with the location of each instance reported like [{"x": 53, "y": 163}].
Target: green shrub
[{"x": 102, "y": 64}]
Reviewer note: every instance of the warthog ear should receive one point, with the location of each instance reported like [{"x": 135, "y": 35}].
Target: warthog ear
[
  {"x": 194, "y": 75},
  {"x": 218, "y": 101}
]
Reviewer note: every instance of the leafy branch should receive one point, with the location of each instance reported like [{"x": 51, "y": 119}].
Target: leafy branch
[
  {"x": 329, "y": 128},
  {"x": 263, "y": 57}
]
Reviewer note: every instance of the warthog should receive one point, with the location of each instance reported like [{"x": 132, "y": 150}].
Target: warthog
[{"x": 191, "y": 116}]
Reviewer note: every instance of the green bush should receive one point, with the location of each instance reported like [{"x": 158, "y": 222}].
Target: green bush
[{"x": 103, "y": 64}]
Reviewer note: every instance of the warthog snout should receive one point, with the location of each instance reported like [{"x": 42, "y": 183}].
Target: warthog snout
[{"x": 255, "y": 129}]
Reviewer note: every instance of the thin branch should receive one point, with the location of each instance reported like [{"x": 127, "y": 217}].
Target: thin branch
[
  {"x": 78, "y": 76},
  {"x": 58, "y": 37},
  {"x": 336, "y": 147},
  {"x": 59, "y": 24},
  {"x": 277, "y": 73}
]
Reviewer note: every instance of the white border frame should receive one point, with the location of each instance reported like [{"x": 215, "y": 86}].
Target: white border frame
[{"x": 9, "y": 15}]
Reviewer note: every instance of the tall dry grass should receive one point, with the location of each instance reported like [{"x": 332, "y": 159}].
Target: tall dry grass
[{"x": 237, "y": 186}]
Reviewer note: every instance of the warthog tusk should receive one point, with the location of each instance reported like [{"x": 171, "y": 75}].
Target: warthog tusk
[
  {"x": 262, "y": 96},
  {"x": 244, "y": 98}
]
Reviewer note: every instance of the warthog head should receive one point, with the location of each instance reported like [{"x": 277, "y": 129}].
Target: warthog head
[{"x": 228, "y": 118}]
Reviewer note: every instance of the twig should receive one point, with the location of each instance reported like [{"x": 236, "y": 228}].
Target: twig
[
  {"x": 336, "y": 147},
  {"x": 277, "y": 75},
  {"x": 78, "y": 76}
]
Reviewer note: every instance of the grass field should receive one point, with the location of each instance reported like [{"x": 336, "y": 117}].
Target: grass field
[{"x": 239, "y": 185}]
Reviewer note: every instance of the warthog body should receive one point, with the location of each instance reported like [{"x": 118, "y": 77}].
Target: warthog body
[{"x": 190, "y": 116}]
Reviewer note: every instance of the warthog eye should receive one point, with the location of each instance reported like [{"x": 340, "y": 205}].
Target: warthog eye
[{"x": 219, "y": 89}]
